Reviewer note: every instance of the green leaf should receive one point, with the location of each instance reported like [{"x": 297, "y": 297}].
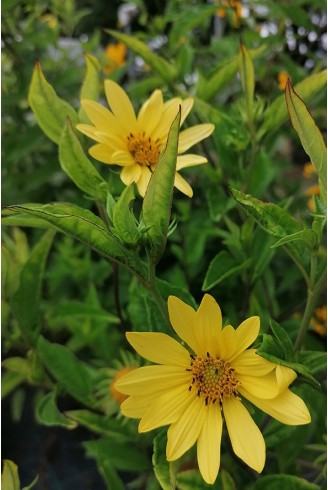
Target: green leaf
[
  {"x": 275, "y": 433},
  {"x": 165, "y": 69},
  {"x": 50, "y": 110},
  {"x": 166, "y": 289},
  {"x": 9, "y": 382},
  {"x": 85, "y": 226},
  {"x": 308, "y": 237},
  {"x": 161, "y": 465},
  {"x": 283, "y": 340},
  {"x": 271, "y": 350},
  {"x": 275, "y": 221},
  {"x": 283, "y": 482},
  {"x": 309, "y": 134},
  {"x": 9, "y": 476},
  {"x": 105, "y": 467},
  {"x": 123, "y": 219},
  {"x": 48, "y": 414},
  {"x": 222, "y": 75},
  {"x": 222, "y": 266},
  {"x": 122, "y": 455},
  {"x": 26, "y": 300},
  {"x": 246, "y": 70},
  {"x": 100, "y": 424},
  {"x": 78, "y": 167},
  {"x": 85, "y": 310},
  {"x": 22, "y": 219},
  {"x": 18, "y": 365},
  {"x": 91, "y": 83},
  {"x": 73, "y": 375},
  {"x": 184, "y": 23},
  {"x": 157, "y": 203},
  {"x": 315, "y": 361},
  {"x": 276, "y": 114}
]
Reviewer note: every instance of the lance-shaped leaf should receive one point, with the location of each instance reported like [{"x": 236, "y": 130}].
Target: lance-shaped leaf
[
  {"x": 73, "y": 375},
  {"x": 91, "y": 83},
  {"x": 50, "y": 110},
  {"x": 123, "y": 219},
  {"x": 246, "y": 70},
  {"x": 277, "y": 222},
  {"x": 309, "y": 134},
  {"x": 85, "y": 226},
  {"x": 47, "y": 413},
  {"x": 222, "y": 266},
  {"x": 276, "y": 114},
  {"x": 9, "y": 476},
  {"x": 165, "y": 69},
  {"x": 78, "y": 167},
  {"x": 156, "y": 209},
  {"x": 26, "y": 300},
  {"x": 222, "y": 75}
]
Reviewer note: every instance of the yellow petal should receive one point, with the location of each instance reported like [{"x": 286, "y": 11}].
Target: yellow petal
[
  {"x": 184, "y": 433},
  {"x": 143, "y": 181},
  {"x": 182, "y": 319},
  {"x": 115, "y": 141},
  {"x": 186, "y": 106},
  {"x": 183, "y": 186},
  {"x": 209, "y": 444},
  {"x": 130, "y": 173},
  {"x": 151, "y": 111},
  {"x": 285, "y": 376},
  {"x": 89, "y": 131},
  {"x": 260, "y": 386},
  {"x": 226, "y": 345},
  {"x": 166, "y": 408},
  {"x": 246, "y": 439},
  {"x": 189, "y": 160},
  {"x": 250, "y": 363},
  {"x": 246, "y": 333},
  {"x": 101, "y": 117},
  {"x": 137, "y": 405},
  {"x": 120, "y": 105},
  {"x": 287, "y": 407},
  {"x": 149, "y": 379},
  {"x": 159, "y": 348},
  {"x": 207, "y": 322},
  {"x": 102, "y": 153},
  {"x": 123, "y": 158},
  {"x": 189, "y": 137},
  {"x": 170, "y": 110}
]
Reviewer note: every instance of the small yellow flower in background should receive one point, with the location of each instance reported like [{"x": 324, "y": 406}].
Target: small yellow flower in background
[
  {"x": 136, "y": 143},
  {"x": 238, "y": 10},
  {"x": 319, "y": 321},
  {"x": 314, "y": 190},
  {"x": 115, "y": 55},
  {"x": 50, "y": 20},
  {"x": 308, "y": 170},
  {"x": 193, "y": 390},
  {"x": 282, "y": 79}
]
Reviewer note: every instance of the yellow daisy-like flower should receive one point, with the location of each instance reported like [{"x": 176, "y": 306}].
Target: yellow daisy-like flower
[
  {"x": 195, "y": 386},
  {"x": 136, "y": 143},
  {"x": 116, "y": 55},
  {"x": 314, "y": 190},
  {"x": 308, "y": 170}
]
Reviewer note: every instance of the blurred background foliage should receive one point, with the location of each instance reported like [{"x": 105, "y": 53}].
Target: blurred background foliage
[{"x": 85, "y": 302}]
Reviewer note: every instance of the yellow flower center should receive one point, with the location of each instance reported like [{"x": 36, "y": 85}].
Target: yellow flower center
[
  {"x": 213, "y": 378},
  {"x": 144, "y": 150}
]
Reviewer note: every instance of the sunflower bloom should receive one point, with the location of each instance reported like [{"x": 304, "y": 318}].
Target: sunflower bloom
[
  {"x": 137, "y": 142},
  {"x": 194, "y": 387}
]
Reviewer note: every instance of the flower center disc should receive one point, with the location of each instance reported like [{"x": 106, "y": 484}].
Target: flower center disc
[
  {"x": 213, "y": 379},
  {"x": 144, "y": 151}
]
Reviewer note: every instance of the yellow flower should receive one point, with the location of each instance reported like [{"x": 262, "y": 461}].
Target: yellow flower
[
  {"x": 193, "y": 390},
  {"x": 50, "y": 20},
  {"x": 313, "y": 190},
  {"x": 282, "y": 79},
  {"x": 136, "y": 143},
  {"x": 117, "y": 395},
  {"x": 308, "y": 170},
  {"x": 115, "y": 54},
  {"x": 237, "y": 14},
  {"x": 319, "y": 321}
]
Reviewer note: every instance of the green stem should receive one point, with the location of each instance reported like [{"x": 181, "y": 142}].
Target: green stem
[
  {"x": 313, "y": 297},
  {"x": 153, "y": 289}
]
